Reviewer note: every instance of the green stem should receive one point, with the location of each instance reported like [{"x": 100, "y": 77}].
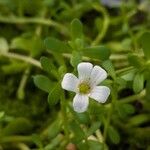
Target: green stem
[
  {"x": 107, "y": 122},
  {"x": 106, "y": 21},
  {"x": 16, "y": 138},
  {"x": 55, "y": 142},
  {"x": 113, "y": 57},
  {"x": 133, "y": 97},
  {"x": 20, "y": 91},
  {"x": 35, "y": 20},
  {"x": 22, "y": 146},
  {"x": 130, "y": 99},
  {"x": 26, "y": 59},
  {"x": 64, "y": 115},
  {"x": 124, "y": 69}
]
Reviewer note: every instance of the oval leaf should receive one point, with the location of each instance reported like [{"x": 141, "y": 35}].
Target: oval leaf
[
  {"x": 98, "y": 52},
  {"x": 138, "y": 82},
  {"x": 43, "y": 83},
  {"x": 54, "y": 45},
  {"x": 76, "y": 29},
  {"x": 113, "y": 135},
  {"x": 4, "y": 47},
  {"x": 145, "y": 42},
  {"x": 54, "y": 95}
]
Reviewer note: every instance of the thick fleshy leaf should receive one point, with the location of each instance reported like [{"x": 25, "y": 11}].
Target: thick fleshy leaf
[
  {"x": 46, "y": 64},
  {"x": 49, "y": 66},
  {"x": 145, "y": 38},
  {"x": 80, "y": 103},
  {"x": 54, "y": 95},
  {"x": 113, "y": 135},
  {"x": 54, "y": 128},
  {"x": 30, "y": 44},
  {"x": 108, "y": 65},
  {"x": 78, "y": 132},
  {"x": 138, "y": 120},
  {"x": 93, "y": 128},
  {"x": 98, "y": 52},
  {"x": 98, "y": 74},
  {"x": 95, "y": 145},
  {"x": 76, "y": 29},
  {"x": 76, "y": 58},
  {"x": 70, "y": 82},
  {"x": 100, "y": 93},
  {"x": 138, "y": 82},
  {"x": 43, "y": 83},
  {"x": 4, "y": 47},
  {"x": 124, "y": 109},
  {"x": 84, "y": 70},
  {"x": 54, "y": 45},
  {"x": 17, "y": 126},
  {"x": 135, "y": 60}
]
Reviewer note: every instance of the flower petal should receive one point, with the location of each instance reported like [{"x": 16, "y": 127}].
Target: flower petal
[
  {"x": 70, "y": 82},
  {"x": 100, "y": 93},
  {"x": 84, "y": 70},
  {"x": 98, "y": 74},
  {"x": 80, "y": 103}
]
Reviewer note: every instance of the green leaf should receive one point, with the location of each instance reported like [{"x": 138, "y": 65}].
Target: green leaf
[
  {"x": 54, "y": 95},
  {"x": 82, "y": 146},
  {"x": 49, "y": 67},
  {"x": 83, "y": 118},
  {"x": 54, "y": 128},
  {"x": 54, "y": 143},
  {"x": 121, "y": 82},
  {"x": 37, "y": 140},
  {"x": 97, "y": 52},
  {"x": 17, "y": 126},
  {"x": 138, "y": 82},
  {"x": 96, "y": 110},
  {"x": 135, "y": 60},
  {"x": 4, "y": 47},
  {"x": 93, "y": 128},
  {"x": 95, "y": 145},
  {"x": 138, "y": 119},
  {"x": 77, "y": 44},
  {"x": 147, "y": 97},
  {"x": 109, "y": 68},
  {"x": 43, "y": 83},
  {"x": 54, "y": 45},
  {"x": 76, "y": 29},
  {"x": 14, "y": 67},
  {"x": 125, "y": 109},
  {"x": 129, "y": 75},
  {"x": 2, "y": 113},
  {"x": 47, "y": 64},
  {"x": 77, "y": 131},
  {"x": 145, "y": 42},
  {"x": 31, "y": 44},
  {"x": 113, "y": 135},
  {"x": 76, "y": 58}
]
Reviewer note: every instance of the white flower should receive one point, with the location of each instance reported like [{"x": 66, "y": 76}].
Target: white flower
[{"x": 86, "y": 85}]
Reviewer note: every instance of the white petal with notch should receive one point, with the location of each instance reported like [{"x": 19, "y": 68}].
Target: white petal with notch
[
  {"x": 80, "y": 103},
  {"x": 84, "y": 70},
  {"x": 98, "y": 74},
  {"x": 100, "y": 93},
  {"x": 70, "y": 82}
]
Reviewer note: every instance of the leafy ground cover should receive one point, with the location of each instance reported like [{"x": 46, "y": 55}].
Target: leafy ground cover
[{"x": 41, "y": 41}]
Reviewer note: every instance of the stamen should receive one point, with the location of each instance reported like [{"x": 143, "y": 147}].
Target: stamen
[{"x": 84, "y": 88}]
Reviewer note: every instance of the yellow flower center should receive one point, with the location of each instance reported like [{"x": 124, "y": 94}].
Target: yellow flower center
[{"x": 84, "y": 88}]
